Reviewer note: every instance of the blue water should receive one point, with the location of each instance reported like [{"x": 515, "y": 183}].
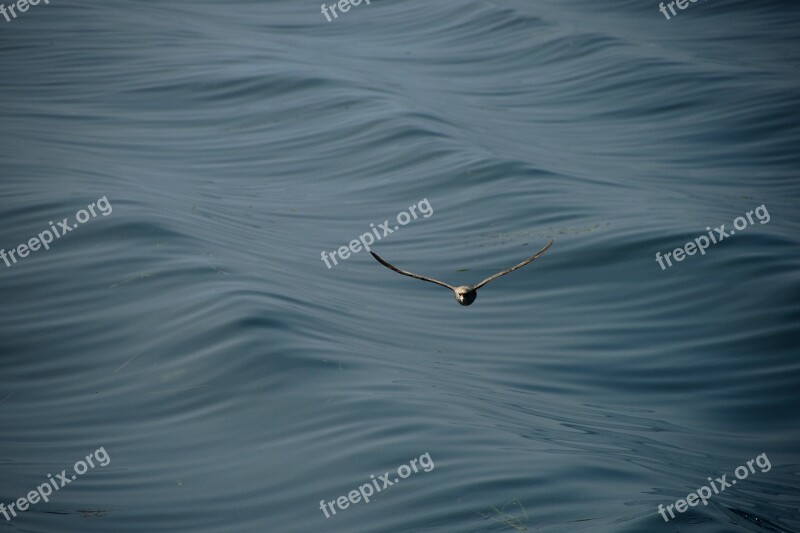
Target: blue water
[{"x": 234, "y": 381}]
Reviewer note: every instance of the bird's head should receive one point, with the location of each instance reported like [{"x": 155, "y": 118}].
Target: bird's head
[{"x": 465, "y": 295}]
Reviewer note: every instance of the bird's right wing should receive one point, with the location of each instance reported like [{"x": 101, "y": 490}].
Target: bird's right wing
[{"x": 409, "y": 274}]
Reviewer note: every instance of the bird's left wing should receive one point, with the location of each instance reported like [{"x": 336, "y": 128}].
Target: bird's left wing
[{"x": 504, "y": 272}]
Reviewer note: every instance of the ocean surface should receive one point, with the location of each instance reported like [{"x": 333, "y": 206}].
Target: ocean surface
[{"x": 189, "y": 338}]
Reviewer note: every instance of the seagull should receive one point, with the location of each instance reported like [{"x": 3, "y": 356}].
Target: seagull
[{"x": 465, "y": 294}]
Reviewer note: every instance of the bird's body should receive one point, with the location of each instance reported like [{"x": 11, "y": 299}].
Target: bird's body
[{"x": 465, "y": 294}]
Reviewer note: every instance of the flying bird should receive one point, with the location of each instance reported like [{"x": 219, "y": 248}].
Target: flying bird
[{"x": 465, "y": 294}]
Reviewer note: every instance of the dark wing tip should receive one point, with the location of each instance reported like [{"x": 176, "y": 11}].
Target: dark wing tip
[{"x": 380, "y": 259}]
